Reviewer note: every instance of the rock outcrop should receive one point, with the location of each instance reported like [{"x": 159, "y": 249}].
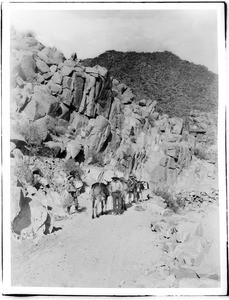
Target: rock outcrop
[{"x": 60, "y": 108}]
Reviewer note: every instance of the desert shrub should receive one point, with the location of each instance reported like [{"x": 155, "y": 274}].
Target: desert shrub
[
  {"x": 174, "y": 202},
  {"x": 70, "y": 167},
  {"x": 45, "y": 151},
  {"x": 23, "y": 172},
  {"x": 151, "y": 120},
  {"x": 31, "y": 134},
  {"x": 30, "y": 33},
  {"x": 96, "y": 158},
  {"x": 201, "y": 153},
  {"x": 60, "y": 130}
]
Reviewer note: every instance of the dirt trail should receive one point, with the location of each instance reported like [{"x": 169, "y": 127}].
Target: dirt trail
[
  {"x": 122, "y": 251},
  {"x": 111, "y": 251}
]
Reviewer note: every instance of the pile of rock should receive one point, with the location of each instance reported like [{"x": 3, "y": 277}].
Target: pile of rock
[
  {"x": 88, "y": 111},
  {"x": 202, "y": 125},
  {"x": 189, "y": 251},
  {"x": 79, "y": 112},
  {"x": 197, "y": 198}
]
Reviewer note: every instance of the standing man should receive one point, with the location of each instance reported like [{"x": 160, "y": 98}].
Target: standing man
[
  {"x": 74, "y": 187},
  {"x": 117, "y": 193}
]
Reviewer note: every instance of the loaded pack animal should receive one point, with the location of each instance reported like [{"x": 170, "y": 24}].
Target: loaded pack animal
[
  {"x": 131, "y": 189},
  {"x": 99, "y": 193},
  {"x": 134, "y": 189},
  {"x": 139, "y": 188}
]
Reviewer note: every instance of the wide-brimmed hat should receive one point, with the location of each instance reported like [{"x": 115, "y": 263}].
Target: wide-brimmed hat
[{"x": 31, "y": 190}]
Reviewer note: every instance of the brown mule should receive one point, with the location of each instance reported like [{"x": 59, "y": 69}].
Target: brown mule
[{"x": 99, "y": 193}]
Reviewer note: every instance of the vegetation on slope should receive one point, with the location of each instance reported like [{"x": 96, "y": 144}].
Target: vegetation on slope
[{"x": 179, "y": 86}]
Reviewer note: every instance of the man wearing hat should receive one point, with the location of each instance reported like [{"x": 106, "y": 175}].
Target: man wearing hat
[
  {"x": 74, "y": 186},
  {"x": 116, "y": 188}
]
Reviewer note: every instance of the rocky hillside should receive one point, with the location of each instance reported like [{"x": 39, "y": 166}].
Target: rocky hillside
[
  {"x": 65, "y": 117},
  {"x": 69, "y": 120},
  {"x": 177, "y": 85}
]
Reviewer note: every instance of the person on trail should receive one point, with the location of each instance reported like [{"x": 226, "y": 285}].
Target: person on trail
[
  {"x": 117, "y": 193},
  {"x": 74, "y": 186},
  {"x": 131, "y": 184},
  {"x": 139, "y": 189}
]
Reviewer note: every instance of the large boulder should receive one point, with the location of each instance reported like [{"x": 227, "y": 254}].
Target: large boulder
[
  {"x": 127, "y": 96},
  {"x": 42, "y": 66},
  {"x": 73, "y": 148},
  {"x": 176, "y": 125},
  {"x": 121, "y": 88},
  {"x": 185, "y": 155},
  {"x": 87, "y": 105},
  {"x": 34, "y": 110},
  {"x": 96, "y": 70},
  {"x": 67, "y": 71},
  {"x": 57, "y": 78},
  {"x": 170, "y": 138},
  {"x": 115, "y": 114},
  {"x": 28, "y": 68},
  {"x": 66, "y": 97},
  {"x": 47, "y": 75},
  {"x": 45, "y": 58},
  {"x": 67, "y": 82},
  {"x": 14, "y": 69},
  {"x": 103, "y": 96},
  {"x": 17, "y": 196},
  {"x": 78, "y": 121},
  {"x": 55, "y": 57},
  {"x": 54, "y": 88},
  {"x": 45, "y": 125},
  {"x": 40, "y": 78},
  {"x": 33, "y": 217},
  {"x": 100, "y": 130},
  {"x": 48, "y": 102},
  {"x": 125, "y": 158},
  {"x": 78, "y": 86}
]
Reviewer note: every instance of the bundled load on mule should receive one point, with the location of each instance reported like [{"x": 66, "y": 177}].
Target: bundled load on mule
[{"x": 135, "y": 188}]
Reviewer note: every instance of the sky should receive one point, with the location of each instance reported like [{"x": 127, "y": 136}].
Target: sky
[{"x": 190, "y": 34}]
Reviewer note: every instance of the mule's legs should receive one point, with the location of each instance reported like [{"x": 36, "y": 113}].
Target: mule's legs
[
  {"x": 127, "y": 198},
  {"x": 124, "y": 203},
  {"x": 93, "y": 208},
  {"x": 114, "y": 203},
  {"x": 119, "y": 204},
  {"x": 76, "y": 203},
  {"x": 101, "y": 206},
  {"x": 68, "y": 209},
  {"x": 130, "y": 197},
  {"x": 135, "y": 197},
  {"x": 49, "y": 224},
  {"x": 97, "y": 200},
  {"x": 105, "y": 202}
]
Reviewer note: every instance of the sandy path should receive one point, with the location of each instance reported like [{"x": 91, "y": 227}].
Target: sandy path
[{"x": 111, "y": 251}]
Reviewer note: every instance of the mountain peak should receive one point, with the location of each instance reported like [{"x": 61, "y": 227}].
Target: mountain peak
[{"x": 178, "y": 85}]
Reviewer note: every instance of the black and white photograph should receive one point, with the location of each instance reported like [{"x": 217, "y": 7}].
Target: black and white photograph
[{"x": 113, "y": 148}]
